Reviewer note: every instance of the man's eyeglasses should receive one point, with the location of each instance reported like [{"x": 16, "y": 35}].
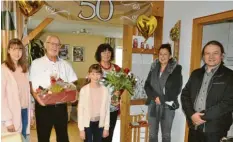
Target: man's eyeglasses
[{"x": 55, "y": 44}]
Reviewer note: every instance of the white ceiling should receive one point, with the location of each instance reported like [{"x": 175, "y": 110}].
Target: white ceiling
[{"x": 70, "y": 27}]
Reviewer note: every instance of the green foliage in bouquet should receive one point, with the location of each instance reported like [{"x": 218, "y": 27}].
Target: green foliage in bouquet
[
  {"x": 56, "y": 88},
  {"x": 121, "y": 80}
]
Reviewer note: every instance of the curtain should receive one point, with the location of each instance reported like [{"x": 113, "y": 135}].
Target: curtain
[
  {"x": 11, "y": 24},
  {"x": 8, "y": 25}
]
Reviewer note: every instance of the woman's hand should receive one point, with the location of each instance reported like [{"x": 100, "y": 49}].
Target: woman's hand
[
  {"x": 105, "y": 133},
  {"x": 157, "y": 101},
  {"x": 117, "y": 93},
  {"x": 11, "y": 128},
  {"x": 115, "y": 103},
  {"x": 115, "y": 99},
  {"x": 82, "y": 135}
]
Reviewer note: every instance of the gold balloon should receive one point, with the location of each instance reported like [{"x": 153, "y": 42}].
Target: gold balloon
[
  {"x": 30, "y": 7},
  {"x": 146, "y": 25}
]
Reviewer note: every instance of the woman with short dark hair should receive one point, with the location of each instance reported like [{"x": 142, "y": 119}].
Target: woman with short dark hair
[
  {"x": 104, "y": 49},
  {"x": 163, "y": 85},
  {"x": 104, "y": 55}
]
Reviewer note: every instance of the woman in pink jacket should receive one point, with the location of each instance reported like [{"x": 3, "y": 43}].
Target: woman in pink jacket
[{"x": 15, "y": 95}]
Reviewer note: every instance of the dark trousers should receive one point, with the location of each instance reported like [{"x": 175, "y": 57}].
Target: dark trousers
[
  {"x": 113, "y": 119},
  {"x": 198, "y": 136},
  {"x": 24, "y": 115},
  {"x": 49, "y": 116},
  {"x": 93, "y": 133},
  {"x": 163, "y": 115}
]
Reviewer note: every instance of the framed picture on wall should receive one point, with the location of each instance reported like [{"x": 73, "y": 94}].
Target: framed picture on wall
[
  {"x": 78, "y": 54},
  {"x": 64, "y": 52}
]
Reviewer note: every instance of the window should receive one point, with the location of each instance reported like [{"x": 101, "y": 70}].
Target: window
[{"x": 118, "y": 55}]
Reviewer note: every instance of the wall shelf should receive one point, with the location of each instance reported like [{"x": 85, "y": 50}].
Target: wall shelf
[
  {"x": 138, "y": 102},
  {"x": 145, "y": 51}
]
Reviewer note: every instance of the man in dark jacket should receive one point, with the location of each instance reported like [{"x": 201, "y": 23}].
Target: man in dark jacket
[{"x": 207, "y": 99}]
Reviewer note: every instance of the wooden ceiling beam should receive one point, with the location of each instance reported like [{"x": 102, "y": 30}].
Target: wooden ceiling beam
[{"x": 37, "y": 30}]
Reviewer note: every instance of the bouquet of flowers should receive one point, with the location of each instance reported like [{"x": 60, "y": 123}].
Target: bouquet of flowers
[
  {"x": 120, "y": 80},
  {"x": 58, "y": 92}
]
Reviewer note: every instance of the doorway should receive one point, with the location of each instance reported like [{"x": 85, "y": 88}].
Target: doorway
[{"x": 197, "y": 38}]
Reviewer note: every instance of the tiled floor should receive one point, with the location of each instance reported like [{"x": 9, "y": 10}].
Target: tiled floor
[{"x": 72, "y": 131}]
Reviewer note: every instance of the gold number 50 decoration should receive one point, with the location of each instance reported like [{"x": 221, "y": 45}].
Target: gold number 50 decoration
[{"x": 96, "y": 10}]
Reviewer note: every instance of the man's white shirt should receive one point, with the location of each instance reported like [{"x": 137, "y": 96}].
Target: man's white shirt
[{"x": 42, "y": 69}]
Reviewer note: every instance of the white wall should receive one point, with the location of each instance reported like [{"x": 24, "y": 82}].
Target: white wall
[
  {"x": 141, "y": 64},
  {"x": 186, "y": 12}
]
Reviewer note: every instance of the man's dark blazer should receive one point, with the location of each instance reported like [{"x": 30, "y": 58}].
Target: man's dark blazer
[{"x": 219, "y": 102}]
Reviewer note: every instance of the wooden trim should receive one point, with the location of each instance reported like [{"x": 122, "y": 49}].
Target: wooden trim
[
  {"x": 158, "y": 36},
  {"x": 144, "y": 51},
  {"x": 125, "y": 98},
  {"x": 158, "y": 8},
  {"x": 197, "y": 33},
  {"x": 215, "y": 18},
  {"x": 20, "y": 22},
  {"x": 186, "y": 132},
  {"x": 138, "y": 102},
  {"x": 37, "y": 30},
  {"x": 135, "y": 31},
  {"x": 147, "y": 131},
  {"x": 196, "y": 46},
  {"x": 127, "y": 46},
  {"x": 176, "y": 52}
]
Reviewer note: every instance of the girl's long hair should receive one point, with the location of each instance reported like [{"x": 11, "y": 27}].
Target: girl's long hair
[{"x": 22, "y": 61}]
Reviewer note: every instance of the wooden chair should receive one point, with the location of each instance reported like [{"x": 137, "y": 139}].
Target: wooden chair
[{"x": 136, "y": 125}]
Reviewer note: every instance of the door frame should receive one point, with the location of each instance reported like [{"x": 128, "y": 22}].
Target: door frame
[{"x": 196, "y": 48}]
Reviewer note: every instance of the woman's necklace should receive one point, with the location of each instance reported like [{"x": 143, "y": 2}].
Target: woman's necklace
[{"x": 108, "y": 68}]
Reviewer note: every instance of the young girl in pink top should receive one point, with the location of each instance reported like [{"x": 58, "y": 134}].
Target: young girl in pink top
[
  {"x": 93, "y": 107},
  {"x": 15, "y": 93}
]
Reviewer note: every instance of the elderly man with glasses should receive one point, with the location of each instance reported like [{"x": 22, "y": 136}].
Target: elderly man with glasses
[{"x": 41, "y": 71}]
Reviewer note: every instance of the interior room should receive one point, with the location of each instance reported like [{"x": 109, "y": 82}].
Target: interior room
[{"x": 135, "y": 30}]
